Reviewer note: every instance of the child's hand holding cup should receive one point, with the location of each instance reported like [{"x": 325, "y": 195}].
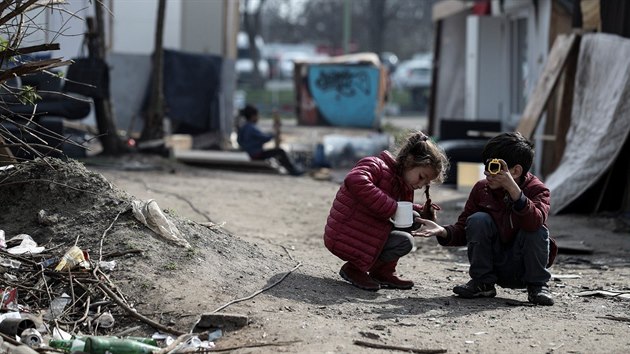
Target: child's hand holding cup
[{"x": 404, "y": 215}]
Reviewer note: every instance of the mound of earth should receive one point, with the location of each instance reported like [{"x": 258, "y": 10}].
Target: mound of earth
[{"x": 166, "y": 282}]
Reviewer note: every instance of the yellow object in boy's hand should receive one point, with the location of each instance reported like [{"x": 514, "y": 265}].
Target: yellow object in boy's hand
[{"x": 494, "y": 166}]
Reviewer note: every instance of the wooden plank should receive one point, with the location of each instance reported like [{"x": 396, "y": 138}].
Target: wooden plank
[
  {"x": 559, "y": 114},
  {"x": 547, "y": 82},
  {"x": 233, "y": 158},
  {"x": 563, "y": 117}
]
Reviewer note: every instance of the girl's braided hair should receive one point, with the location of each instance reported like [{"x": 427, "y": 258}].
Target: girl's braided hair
[{"x": 419, "y": 150}]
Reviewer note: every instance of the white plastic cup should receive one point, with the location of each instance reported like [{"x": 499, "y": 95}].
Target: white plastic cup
[{"x": 404, "y": 215}]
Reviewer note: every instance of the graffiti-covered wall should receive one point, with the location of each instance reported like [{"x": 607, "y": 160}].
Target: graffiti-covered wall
[{"x": 347, "y": 95}]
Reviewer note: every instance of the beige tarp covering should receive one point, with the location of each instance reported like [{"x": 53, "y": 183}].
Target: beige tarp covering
[{"x": 600, "y": 118}]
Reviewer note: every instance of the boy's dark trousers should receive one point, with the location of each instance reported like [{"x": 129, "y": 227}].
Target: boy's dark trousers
[
  {"x": 282, "y": 157},
  {"x": 516, "y": 265}
]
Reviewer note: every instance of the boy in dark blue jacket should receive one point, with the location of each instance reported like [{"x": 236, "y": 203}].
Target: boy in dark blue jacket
[{"x": 251, "y": 139}]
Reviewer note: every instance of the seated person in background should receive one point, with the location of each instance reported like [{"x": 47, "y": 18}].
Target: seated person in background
[{"x": 251, "y": 139}]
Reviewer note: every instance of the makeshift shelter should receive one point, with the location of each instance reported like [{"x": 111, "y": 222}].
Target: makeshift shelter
[
  {"x": 194, "y": 90},
  {"x": 591, "y": 176},
  {"x": 586, "y": 132},
  {"x": 346, "y": 91},
  {"x": 487, "y": 59}
]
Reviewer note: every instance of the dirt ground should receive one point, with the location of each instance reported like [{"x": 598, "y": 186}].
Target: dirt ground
[{"x": 253, "y": 231}]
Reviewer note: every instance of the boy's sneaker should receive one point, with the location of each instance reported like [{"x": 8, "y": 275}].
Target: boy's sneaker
[
  {"x": 539, "y": 295},
  {"x": 474, "y": 289}
]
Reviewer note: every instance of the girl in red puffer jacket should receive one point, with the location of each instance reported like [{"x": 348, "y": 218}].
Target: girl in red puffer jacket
[{"x": 359, "y": 230}]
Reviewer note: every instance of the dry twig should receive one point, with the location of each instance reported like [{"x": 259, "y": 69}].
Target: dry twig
[
  {"x": 615, "y": 318},
  {"x": 48, "y": 181},
  {"x": 396, "y": 347},
  {"x": 259, "y": 291},
  {"x": 135, "y": 314},
  {"x": 252, "y": 345}
]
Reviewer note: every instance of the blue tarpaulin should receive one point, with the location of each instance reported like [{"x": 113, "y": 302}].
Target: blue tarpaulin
[{"x": 192, "y": 85}]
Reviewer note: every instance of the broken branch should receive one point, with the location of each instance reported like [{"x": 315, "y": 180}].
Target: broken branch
[
  {"x": 395, "y": 347},
  {"x": 135, "y": 314},
  {"x": 259, "y": 291}
]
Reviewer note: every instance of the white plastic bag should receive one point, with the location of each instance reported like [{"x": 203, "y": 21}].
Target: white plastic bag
[
  {"x": 150, "y": 214},
  {"x": 28, "y": 245}
]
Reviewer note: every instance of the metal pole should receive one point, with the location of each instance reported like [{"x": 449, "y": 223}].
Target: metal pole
[{"x": 346, "y": 26}]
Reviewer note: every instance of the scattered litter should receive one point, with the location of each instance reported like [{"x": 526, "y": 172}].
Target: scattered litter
[
  {"x": 321, "y": 174},
  {"x": 48, "y": 262},
  {"x": 615, "y": 318},
  {"x": 68, "y": 345},
  {"x": 565, "y": 276},
  {"x": 618, "y": 294},
  {"x": 343, "y": 151},
  {"x": 105, "y": 320},
  {"x": 573, "y": 247},
  {"x": 150, "y": 214},
  {"x": 214, "y": 335},
  {"x": 397, "y": 347},
  {"x": 59, "y": 333},
  {"x": 9, "y": 299},
  {"x": 57, "y": 306},
  {"x": 102, "y": 344},
  {"x": 73, "y": 257},
  {"x": 16, "y": 326},
  {"x": 12, "y": 314},
  {"x": 107, "y": 265},
  {"x": 27, "y": 245},
  {"x": 45, "y": 219},
  {"x": 10, "y": 263},
  {"x": 31, "y": 337}
]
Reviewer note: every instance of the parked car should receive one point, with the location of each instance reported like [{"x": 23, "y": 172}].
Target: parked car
[
  {"x": 413, "y": 73},
  {"x": 244, "y": 65},
  {"x": 286, "y": 63}
]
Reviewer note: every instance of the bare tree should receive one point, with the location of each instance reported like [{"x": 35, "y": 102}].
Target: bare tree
[
  {"x": 400, "y": 26},
  {"x": 154, "y": 122},
  {"x": 108, "y": 133},
  {"x": 252, "y": 26},
  {"x": 324, "y": 18},
  {"x": 13, "y": 65}
]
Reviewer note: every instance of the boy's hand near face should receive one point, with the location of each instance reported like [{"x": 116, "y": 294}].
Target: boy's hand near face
[{"x": 505, "y": 179}]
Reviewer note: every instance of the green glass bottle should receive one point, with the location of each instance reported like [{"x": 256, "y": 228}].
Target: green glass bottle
[
  {"x": 103, "y": 345},
  {"x": 149, "y": 341},
  {"x": 68, "y": 345}
]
